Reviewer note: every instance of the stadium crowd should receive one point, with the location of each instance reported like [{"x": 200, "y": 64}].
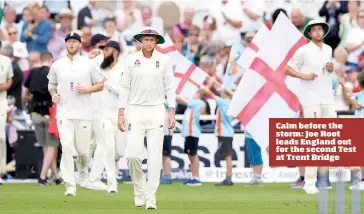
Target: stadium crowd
[{"x": 30, "y": 31}]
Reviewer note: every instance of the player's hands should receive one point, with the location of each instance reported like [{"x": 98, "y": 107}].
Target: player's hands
[
  {"x": 55, "y": 98},
  {"x": 82, "y": 89},
  {"x": 2, "y": 87},
  {"x": 341, "y": 81},
  {"x": 310, "y": 76},
  {"x": 122, "y": 123},
  {"x": 171, "y": 119},
  {"x": 330, "y": 67},
  {"x": 94, "y": 53}
]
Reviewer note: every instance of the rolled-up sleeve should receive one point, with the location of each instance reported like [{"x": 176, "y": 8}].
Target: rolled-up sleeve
[
  {"x": 125, "y": 84},
  {"x": 169, "y": 85}
]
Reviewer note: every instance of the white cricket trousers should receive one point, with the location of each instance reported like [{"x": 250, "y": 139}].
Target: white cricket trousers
[
  {"x": 111, "y": 147},
  {"x": 145, "y": 121},
  {"x": 75, "y": 135},
  {"x": 2, "y": 138},
  {"x": 317, "y": 111},
  {"x": 96, "y": 150}
]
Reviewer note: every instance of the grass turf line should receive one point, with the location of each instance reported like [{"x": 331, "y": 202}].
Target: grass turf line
[{"x": 172, "y": 199}]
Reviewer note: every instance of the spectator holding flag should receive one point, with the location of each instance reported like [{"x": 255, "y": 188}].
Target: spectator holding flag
[
  {"x": 224, "y": 132},
  {"x": 191, "y": 130}
]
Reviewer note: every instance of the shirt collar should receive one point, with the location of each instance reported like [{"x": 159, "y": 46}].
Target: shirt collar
[
  {"x": 315, "y": 47},
  {"x": 153, "y": 54},
  {"x": 75, "y": 58}
]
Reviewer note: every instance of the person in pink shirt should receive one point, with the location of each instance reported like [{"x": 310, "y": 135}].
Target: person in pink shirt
[{"x": 183, "y": 27}]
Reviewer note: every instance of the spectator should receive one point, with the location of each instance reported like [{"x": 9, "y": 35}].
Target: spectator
[
  {"x": 275, "y": 15},
  {"x": 21, "y": 55},
  {"x": 33, "y": 61},
  {"x": 355, "y": 42},
  {"x": 193, "y": 49},
  {"x": 37, "y": 32},
  {"x": 207, "y": 65},
  {"x": 18, "y": 6},
  {"x": 112, "y": 32},
  {"x": 128, "y": 15},
  {"x": 27, "y": 17},
  {"x": 44, "y": 13},
  {"x": 182, "y": 27},
  {"x": 228, "y": 17},
  {"x": 340, "y": 58},
  {"x": 348, "y": 20},
  {"x": 208, "y": 34},
  {"x": 41, "y": 101},
  {"x": 56, "y": 44},
  {"x": 148, "y": 20},
  {"x": 92, "y": 16},
  {"x": 86, "y": 41},
  {"x": 253, "y": 12},
  {"x": 352, "y": 81},
  {"x": 178, "y": 41},
  {"x": 12, "y": 35},
  {"x": 9, "y": 21},
  {"x": 361, "y": 61},
  {"x": 16, "y": 86},
  {"x": 299, "y": 19},
  {"x": 55, "y": 7},
  {"x": 331, "y": 11},
  {"x": 65, "y": 17}
]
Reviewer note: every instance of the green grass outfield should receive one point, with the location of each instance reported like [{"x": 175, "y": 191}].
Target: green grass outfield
[{"x": 172, "y": 199}]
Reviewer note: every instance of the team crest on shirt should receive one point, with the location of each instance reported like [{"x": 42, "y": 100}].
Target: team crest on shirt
[
  {"x": 137, "y": 63},
  {"x": 157, "y": 64}
]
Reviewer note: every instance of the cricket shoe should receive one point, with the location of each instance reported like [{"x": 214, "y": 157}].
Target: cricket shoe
[
  {"x": 297, "y": 184},
  {"x": 71, "y": 191},
  {"x": 96, "y": 185},
  {"x": 112, "y": 190},
  {"x": 151, "y": 205},
  {"x": 310, "y": 189},
  {"x": 139, "y": 200},
  {"x": 358, "y": 186},
  {"x": 225, "y": 183},
  {"x": 255, "y": 182},
  {"x": 42, "y": 182},
  {"x": 193, "y": 182}
]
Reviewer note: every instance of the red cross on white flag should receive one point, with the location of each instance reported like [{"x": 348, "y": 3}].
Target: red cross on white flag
[
  {"x": 266, "y": 91},
  {"x": 251, "y": 51},
  {"x": 188, "y": 77}
]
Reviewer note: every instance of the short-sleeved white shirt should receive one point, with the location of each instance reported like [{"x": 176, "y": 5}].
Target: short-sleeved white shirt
[
  {"x": 234, "y": 11},
  {"x": 310, "y": 58},
  {"x": 67, "y": 74},
  {"x": 355, "y": 37},
  {"x": 6, "y": 72}
]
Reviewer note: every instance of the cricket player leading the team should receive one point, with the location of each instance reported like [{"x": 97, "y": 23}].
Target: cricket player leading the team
[{"x": 146, "y": 80}]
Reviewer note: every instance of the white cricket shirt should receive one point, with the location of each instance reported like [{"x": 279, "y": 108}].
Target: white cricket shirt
[
  {"x": 146, "y": 81},
  {"x": 96, "y": 97},
  {"x": 110, "y": 95},
  {"x": 6, "y": 72},
  {"x": 310, "y": 58},
  {"x": 66, "y": 74}
]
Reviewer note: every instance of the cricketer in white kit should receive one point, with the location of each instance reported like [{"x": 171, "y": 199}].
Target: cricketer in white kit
[
  {"x": 312, "y": 64},
  {"x": 146, "y": 80},
  {"x": 113, "y": 141},
  {"x": 72, "y": 79},
  {"x": 6, "y": 79}
]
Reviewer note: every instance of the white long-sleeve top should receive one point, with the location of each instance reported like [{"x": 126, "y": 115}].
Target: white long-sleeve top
[
  {"x": 110, "y": 94},
  {"x": 96, "y": 97},
  {"x": 146, "y": 81}
]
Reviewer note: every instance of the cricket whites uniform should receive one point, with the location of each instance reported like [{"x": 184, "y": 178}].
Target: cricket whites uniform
[
  {"x": 97, "y": 162},
  {"x": 316, "y": 95},
  {"x": 144, "y": 84},
  {"x": 6, "y": 72},
  {"x": 113, "y": 141},
  {"x": 74, "y": 113}
]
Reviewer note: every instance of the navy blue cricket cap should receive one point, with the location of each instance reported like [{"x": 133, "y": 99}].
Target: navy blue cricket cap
[
  {"x": 111, "y": 44},
  {"x": 98, "y": 38},
  {"x": 73, "y": 35}
]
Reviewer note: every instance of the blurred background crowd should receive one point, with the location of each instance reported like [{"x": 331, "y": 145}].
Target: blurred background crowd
[{"x": 202, "y": 30}]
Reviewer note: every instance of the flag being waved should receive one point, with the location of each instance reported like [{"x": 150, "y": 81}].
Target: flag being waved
[
  {"x": 233, "y": 69},
  {"x": 266, "y": 91},
  {"x": 188, "y": 76}
]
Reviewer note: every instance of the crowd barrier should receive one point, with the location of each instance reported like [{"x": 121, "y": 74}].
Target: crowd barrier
[{"x": 212, "y": 166}]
